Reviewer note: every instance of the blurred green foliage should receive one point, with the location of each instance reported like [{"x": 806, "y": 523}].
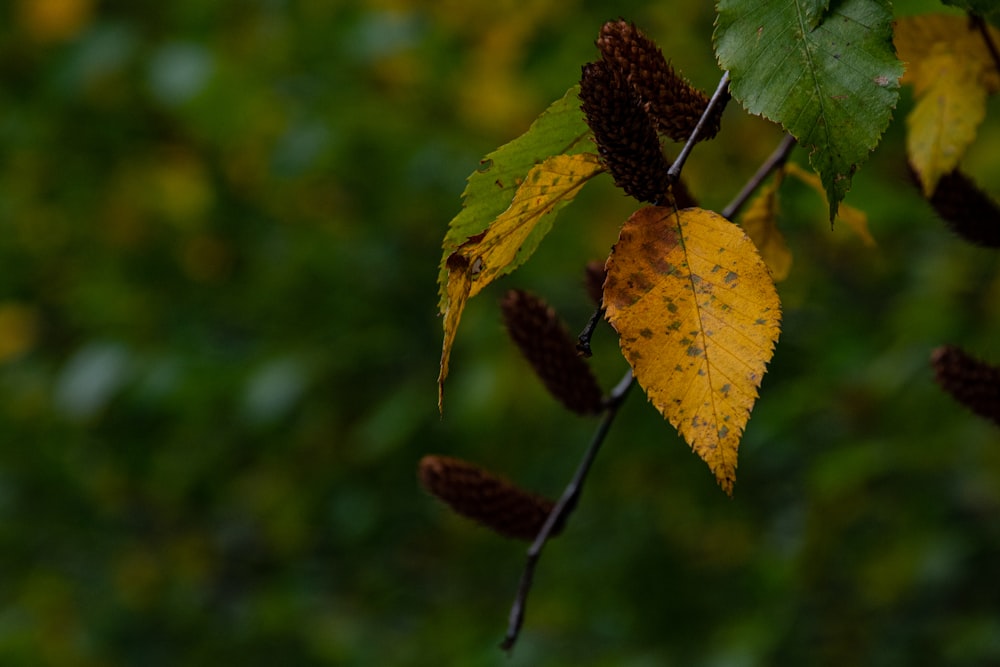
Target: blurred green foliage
[{"x": 219, "y": 235}]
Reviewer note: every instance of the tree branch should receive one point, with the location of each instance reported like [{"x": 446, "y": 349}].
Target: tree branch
[
  {"x": 776, "y": 159},
  {"x": 980, "y": 23},
  {"x": 561, "y": 512},
  {"x": 720, "y": 97}
]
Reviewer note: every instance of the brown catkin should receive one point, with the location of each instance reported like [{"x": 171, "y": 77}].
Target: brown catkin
[
  {"x": 623, "y": 130},
  {"x": 972, "y": 382},
  {"x": 967, "y": 210},
  {"x": 544, "y": 341},
  {"x": 482, "y": 496},
  {"x": 674, "y": 104}
]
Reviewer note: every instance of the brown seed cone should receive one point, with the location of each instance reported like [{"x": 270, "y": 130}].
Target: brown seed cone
[
  {"x": 674, "y": 104},
  {"x": 624, "y": 132},
  {"x": 972, "y": 382},
  {"x": 544, "y": 341},
  {"x": 478, "y": 494},
  {"x": 967, "y": 210}
]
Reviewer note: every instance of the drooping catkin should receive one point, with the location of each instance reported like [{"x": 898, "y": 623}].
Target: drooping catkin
[
  {"x": 484, "y": 497},
  {"x": 543, "y": 340},
  {"x": 974, "y": 383},
  {"x": 967, "y": 210},
  {"x": 624, "y": 132},
  {"x": 674, "y": 104}
]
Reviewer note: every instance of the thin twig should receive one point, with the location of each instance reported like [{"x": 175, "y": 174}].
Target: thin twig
[
  {"x": 560, "y": 513},
  {"x": 721, "y": 96},
  {"x": 776, "y": 159},
  {"x": 583, "y": 340},
  {"x": 980, "y": 23}
]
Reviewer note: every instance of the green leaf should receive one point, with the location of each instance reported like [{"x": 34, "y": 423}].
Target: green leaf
[
  {"x": 813, "y": 11},
  {"x": 510, "y": 239},
  {"x": 560, "y": 130},
  {"x": 833, "y": 87}
]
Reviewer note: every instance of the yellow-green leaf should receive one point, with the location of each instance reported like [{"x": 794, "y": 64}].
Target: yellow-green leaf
[
  {"x": 855, "y": 219},
  {"x": 698, "y": 316},
  {"x": 516, "y": 232},
  {"x": 946, "y": 117},
  {"x": 952, "y": 71},
  {"x": 915, "y": 38},
  {"x": 560, "y": 130},
  {"x": 759, "y": 222}
]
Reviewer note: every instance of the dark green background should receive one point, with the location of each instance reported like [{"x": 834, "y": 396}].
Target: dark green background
[{"x": 219, "y": 234}]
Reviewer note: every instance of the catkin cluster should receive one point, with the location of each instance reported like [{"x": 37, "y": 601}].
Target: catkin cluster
[{"x": 630, "y": 97}]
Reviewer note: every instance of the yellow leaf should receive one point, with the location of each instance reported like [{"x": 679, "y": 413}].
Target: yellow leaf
[
  {"x": 952, "y": 71},
  {"x": 698, "y": 316},
  {"x": 514, "y": 234},
  {"x": 916, "y": 37},
  {"x": 759, "y": 222},
  {"x": 945, "y": 118},
  {"x": 855, "y": 219}
]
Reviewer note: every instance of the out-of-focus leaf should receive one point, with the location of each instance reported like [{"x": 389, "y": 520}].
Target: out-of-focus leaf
[
  {"x": 952, "y": 71},
  {"x": 833, "y": 86},
  {"x": 916, "y": 36},
  {"x": 18, "y": 329},
  {"x": 560, "y": 130},
  {"x": 855, "y": 219},
  {"x": 698, "y": 316},
  {"x": 55, "y": 20},
  {"x": 511, "y": 238},
  {"x": 760, "y": 224},
  {"x": 944, "y": 122}
]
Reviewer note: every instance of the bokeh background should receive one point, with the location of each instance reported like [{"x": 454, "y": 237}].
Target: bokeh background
[{"x": 220, "y": 225}]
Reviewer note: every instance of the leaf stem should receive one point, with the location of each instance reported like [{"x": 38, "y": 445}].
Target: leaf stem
[
  {"x": 583, "y": 340},
  {"x": 776, "y": 160},
  {"x": 560, "y": 513},
  {"x": 719, "y": 97}
]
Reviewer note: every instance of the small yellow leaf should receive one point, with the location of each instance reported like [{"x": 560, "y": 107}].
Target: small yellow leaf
[
  {"x": 945, "y": 118},
  {"x": 854, "y": 218},
  {"x": 952, "y": 71},
  {"x": 698, "y": 316},
  {"x": 759, "y": 222},
  {"x": 458, "y": 289},
  {"x": 515, "y": 234},
  {"x": 915, "y": 38}
]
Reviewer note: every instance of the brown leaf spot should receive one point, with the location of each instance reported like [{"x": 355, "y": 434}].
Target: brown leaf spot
[{"x": 457, "y": 262}]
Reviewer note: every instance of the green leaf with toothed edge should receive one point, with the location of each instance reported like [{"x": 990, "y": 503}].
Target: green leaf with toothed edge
[
  {"x": 560, "y": 130},
  {"x": 832, "y": 85}
]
